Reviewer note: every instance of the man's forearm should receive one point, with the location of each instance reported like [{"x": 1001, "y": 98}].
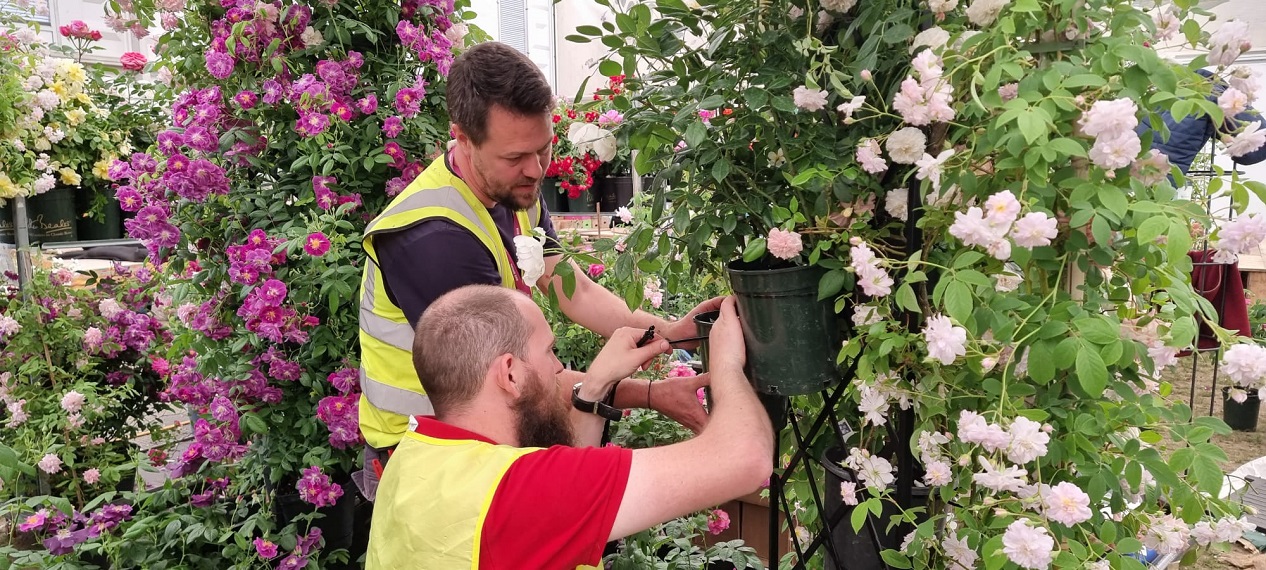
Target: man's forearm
[
  {"x": 599, "y": 310},
  {"x": 586, "y": 427},
  {"x": 737, "y": 412}
]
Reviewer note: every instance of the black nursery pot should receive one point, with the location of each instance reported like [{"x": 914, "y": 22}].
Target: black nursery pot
[
  {"x": 857, "y": 550},
  {"x": 338, "y": 521},
  {"x": 1241, "y": 416},
  {"x": 792, "y": 338}
]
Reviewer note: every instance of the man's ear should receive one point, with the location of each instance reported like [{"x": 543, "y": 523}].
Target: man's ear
[
  {"x": 509, "y": 374},
  {"x": 460, "y": 138}
]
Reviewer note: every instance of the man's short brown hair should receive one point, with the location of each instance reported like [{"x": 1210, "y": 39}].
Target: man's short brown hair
[
  {"x": 459, "y": 336},
  {"x": 490, "y": 74}
]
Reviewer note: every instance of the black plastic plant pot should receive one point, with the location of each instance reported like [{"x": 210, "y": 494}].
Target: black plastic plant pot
[
  {"x": 703, "y": 327},
  {"x": 857, "y": 550},
  {"x": 554, "y": 200},
  {"x": 338, "y": 523},
  {"x": 89, "y": 229},
  {"x": 51, "y": 216},
  {"x": 1241, "y": 416},
  {"x": 792, "y": 338},
  {"x": 8, "y": 231}
]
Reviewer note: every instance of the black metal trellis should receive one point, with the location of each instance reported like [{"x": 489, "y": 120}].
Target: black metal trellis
[
  {"x": 1205, "y": 269},
  {"x": 806, "y": 431}
]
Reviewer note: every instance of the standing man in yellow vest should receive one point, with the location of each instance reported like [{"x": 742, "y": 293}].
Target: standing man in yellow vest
[
  {"x": 456, "y": 225},
  {"x": 492, "y": 481}
]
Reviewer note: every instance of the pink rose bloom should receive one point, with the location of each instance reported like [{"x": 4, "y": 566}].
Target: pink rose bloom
[
  {"x": 1067, "y": 504},
  {"x": 784, "y": 244},
  {"x": 133, "y": 61},
  {"x": 718, "y": 521},
  {"x": 266, "y": 549},
  {"x": 73, "y": 401},
  {"x": 681, "y": 370},
  {"x": 596, "y": 270},
  {"x": 91, "y": 476},
  {"x": 50, "y": 464},
  {"x": 316, "y": 244}
]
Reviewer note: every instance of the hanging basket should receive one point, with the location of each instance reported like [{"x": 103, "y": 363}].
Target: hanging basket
[
  {"x": 792, "y": 338},
  {"x": 51, "y": 216}
]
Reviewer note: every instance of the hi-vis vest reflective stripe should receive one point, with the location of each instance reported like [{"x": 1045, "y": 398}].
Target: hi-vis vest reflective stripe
[
  {"x": 391, "y": 391},
  {"x": 432, "y": 503}
]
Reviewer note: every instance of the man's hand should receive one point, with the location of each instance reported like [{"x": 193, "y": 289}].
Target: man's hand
[
  {"x": 618, "y": 359},
  {"x": 725, "y": 342},
  {"x": 685, "y": 328},
  {"x": 678, "y": 398}
]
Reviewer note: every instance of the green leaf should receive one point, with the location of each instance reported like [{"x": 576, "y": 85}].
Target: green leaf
[
  {"x": 721, "y": 169},
  {"x": 1092, "y": 375},
  {"x": 610, "y": 68},
  {"x": 967, "y": 258},
  {"x": 1034, "y": 123},
  {"x": 906, "y": 299},
  {"x": 1041, "y": 362},
  {"x": 589, "y": 30},
  {"x": 754, "y": 250},
  {"x": 695, "y": 134},
  {"x": 1098, "y": 330},
  {"x": 958, "y": 301},
  {"x": 895, "y": 559},
  {"x": 1152, "y": 228},
  {"x": 831, "y": 283}
]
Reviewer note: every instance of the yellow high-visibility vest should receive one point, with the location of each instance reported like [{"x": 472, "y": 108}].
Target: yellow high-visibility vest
[
  {"x": 390, "y": 388},
  {"x": 433, "y": 500}
]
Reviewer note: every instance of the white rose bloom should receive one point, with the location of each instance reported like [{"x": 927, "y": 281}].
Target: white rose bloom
[
  {"x": 942, "y": 6},
  {"x": 529, "y": 251},
  {"x": 590, "y": 137},
  {"x": 457, "y": 34},
  {"x": 907, "y": 145},
  {"x": 311, "y": 37},
  {"x": 933, "y": 37},
  {"x": 840, "y": 6},
  {"x": 985, "y": 12}
]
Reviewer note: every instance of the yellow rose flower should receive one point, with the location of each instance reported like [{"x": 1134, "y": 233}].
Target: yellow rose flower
[
  {"x": 70, "y": 177},
  {"x": 75, "y": 116},
  {"x": 7, "y": 188},
  {"x": 83, "y": 98},
  {"x": 102, "y": 168},
  {"x": 61, "y": 90},
  {"x": 72, "y": 71}
]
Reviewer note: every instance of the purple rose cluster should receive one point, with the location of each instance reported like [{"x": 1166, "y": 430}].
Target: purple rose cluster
[
  {"x": 341, "y": 413},
  {"x": 316, "y": 488},
  {"x": 63, "y": 533}
]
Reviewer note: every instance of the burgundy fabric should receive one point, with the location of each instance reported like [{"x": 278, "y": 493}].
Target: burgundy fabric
[{"x": 1222, "y": 285}]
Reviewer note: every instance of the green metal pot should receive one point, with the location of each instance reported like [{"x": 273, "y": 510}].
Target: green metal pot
[
  {"x": 51, "y": 216},
  {"x": 792, "y": 338}
]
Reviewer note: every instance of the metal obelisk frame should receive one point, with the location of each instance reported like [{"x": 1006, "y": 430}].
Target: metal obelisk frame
[{"x": 802, "y": 457}]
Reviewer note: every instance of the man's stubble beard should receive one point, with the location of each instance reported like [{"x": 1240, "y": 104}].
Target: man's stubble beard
[
  {"x": 504, "y": 194},
  {"x": 541, "y": 419}
]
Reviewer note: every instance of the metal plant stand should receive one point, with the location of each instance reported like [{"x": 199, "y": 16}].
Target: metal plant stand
[{"x": 807, "y": 435}]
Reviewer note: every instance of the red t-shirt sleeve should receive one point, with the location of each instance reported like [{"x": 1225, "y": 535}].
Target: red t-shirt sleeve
[{"x": 555, "y": 508}]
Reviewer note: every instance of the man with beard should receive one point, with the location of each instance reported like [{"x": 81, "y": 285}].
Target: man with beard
[
  {"x": 456, "y": 225},
  {"x": 492, "y": 480}
]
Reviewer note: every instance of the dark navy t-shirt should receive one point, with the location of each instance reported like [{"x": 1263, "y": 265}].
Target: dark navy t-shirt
[{"x": 421, "y": 263}]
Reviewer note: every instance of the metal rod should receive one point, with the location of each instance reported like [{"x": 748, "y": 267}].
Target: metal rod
[{"x": 23, "y": 235}]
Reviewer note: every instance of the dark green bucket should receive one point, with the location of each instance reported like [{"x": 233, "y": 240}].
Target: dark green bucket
[
  {"x": 554, "y": 201},
  {"x": 792, "y": 338},
  {"x": 111, "y": 224},
  {"x": 703, "y": 327},
  {"x": 51, "y": 216},
  {"x": 8, "y": 231},
  {"x": 586, "y": 202},
  {"x": 1241, "y": 416}
]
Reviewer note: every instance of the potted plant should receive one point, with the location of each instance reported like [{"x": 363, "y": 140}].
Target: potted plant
[
  {"x": 1025, "y": 323},
  {"x": 583, "y": 142}
]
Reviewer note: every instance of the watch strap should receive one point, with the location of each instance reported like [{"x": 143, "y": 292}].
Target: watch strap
[{"x": 599, "y": 408}]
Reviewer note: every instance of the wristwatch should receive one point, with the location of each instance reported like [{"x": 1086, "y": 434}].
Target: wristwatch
[{"x": 600, "y": 408}]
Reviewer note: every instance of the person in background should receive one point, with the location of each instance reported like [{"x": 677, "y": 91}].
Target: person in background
[
  {"x": 505, "y": 474},
  {"x": 1187, "y": 137},
  {"x": 469, "y": 219}
]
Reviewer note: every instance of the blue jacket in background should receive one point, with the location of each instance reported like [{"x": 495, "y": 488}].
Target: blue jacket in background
[{"x": 1188, "y": 137}]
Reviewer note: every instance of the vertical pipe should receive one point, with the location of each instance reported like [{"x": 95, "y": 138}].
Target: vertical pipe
[{"x": 23, "y": 243}]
